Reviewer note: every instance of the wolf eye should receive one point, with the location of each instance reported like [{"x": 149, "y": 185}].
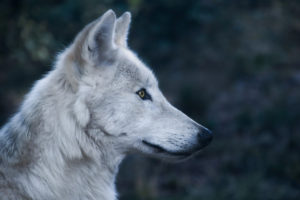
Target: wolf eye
[{"x": 143, "y": 94}]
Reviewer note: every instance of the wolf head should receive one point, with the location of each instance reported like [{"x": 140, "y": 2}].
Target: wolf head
[{"x": 118, "y": 99}]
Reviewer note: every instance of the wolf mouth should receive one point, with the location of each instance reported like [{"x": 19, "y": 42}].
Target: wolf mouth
[{"x": 160, "y": 149}]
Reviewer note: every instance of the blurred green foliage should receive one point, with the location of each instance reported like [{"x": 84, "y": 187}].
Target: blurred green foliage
[{"x": 233, "y": 65}]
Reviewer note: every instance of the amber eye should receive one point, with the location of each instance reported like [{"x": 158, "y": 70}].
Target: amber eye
[{"x": 143, "y": 94}]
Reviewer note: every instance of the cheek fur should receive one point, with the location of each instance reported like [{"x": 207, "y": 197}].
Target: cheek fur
[{"x": 114, "y": 117}]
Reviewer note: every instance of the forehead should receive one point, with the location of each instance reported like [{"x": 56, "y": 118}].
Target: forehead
[{"x": 132, "y": 68}]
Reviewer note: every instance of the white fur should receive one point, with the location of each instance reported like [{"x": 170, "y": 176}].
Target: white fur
[{"x": 79, "y": 121}]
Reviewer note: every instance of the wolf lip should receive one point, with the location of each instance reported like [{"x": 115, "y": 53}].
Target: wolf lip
[{"x": 160, "y": 149}]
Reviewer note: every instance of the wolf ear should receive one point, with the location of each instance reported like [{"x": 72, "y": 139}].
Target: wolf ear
[
  {"x": 101, "y": 37},
  {"x": 122, "y": 28}
]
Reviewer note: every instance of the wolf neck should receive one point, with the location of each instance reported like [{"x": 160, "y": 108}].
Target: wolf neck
[{"x": 60, "y": 158}]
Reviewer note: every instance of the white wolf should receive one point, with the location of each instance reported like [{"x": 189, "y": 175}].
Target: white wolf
[{"x": 76, "y": 125}]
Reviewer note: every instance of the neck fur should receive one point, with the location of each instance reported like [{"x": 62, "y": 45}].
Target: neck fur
[{"x": 59, "y": 157}]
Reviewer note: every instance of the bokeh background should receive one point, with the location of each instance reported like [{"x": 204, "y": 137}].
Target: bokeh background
[{"x": 232, "y": 65}]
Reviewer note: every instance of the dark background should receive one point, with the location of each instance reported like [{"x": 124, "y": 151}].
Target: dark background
[{"x": 232, "y": 65}]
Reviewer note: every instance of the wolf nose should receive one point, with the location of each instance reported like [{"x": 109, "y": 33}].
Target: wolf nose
[{"x": 205, "y": 136}]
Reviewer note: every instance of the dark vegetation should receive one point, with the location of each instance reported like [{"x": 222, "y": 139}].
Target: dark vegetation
[{"x": 233, "y": 65}]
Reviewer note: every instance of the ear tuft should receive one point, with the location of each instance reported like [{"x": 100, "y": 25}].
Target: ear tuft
[
  {"x": 122, "y": 28},
  {"x": 108, "y": 18},
  {"x": 102, "y": 35}
]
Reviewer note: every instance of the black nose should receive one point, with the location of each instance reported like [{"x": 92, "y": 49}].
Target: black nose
[{"x": 205, "y": 136}]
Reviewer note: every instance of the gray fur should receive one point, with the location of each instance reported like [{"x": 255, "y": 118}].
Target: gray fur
[{"x": 78, "y": 122}]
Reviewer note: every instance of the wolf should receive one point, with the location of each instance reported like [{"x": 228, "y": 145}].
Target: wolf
[{"x": 98, "y": 103}]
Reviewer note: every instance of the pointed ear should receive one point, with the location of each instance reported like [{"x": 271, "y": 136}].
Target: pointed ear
[
  {"x": 94, "y": 43},
  {"x": 102, "y": 34},
  {"x": 122, "y": 28}
]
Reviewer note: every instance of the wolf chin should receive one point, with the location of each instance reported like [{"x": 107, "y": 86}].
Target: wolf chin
[{"x": 99, "y": 103}]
